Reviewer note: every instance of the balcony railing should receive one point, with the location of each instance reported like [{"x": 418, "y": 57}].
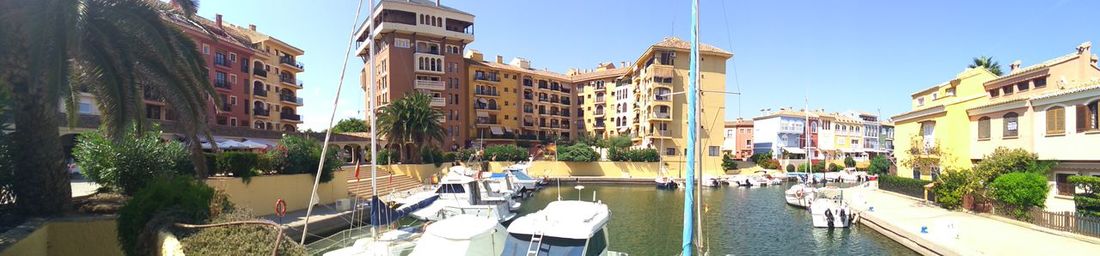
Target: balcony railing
[
  {"x": 599, "y": 112},
  {"x": 259, "y": 72},
  {"x": 429, "y": 85},
  {"x": 528, "y": 110},
  {"x": 259, "y": 92},
  {"x": 528, "y": 97},
  {"x": 287, "y": 80},
  {"x": 663, "y": 133},
  {"x": 661, "y": 115},
  {"x": 486, "y": 77},
  {"x": 261, "y": 112},
  {"x": 565, "y": 102},
  {"x": 529, "y": 124},
  {"x": 486, "y": 92},
  {"x": 600, "y": 100},
  {"x": 289, "y": 116},
  {"x": 225, "y": 107},
  {"x": 487, "y": 121},
  {"x": 223, "y": 85},
  {"x": 291, "y": 62},
  {"x": 290, "y": 98},
  {"x": 662, "y": 98},
  {"x": 487, "y": 106},
  {"x": 438, "y": 102}
]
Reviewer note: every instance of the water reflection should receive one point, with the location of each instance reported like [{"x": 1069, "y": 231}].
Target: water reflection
[{"x": 740, "y": 221}]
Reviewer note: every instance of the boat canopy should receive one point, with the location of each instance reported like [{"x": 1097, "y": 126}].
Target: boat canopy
[
  {"x": 381, "y": 213},
  {"x": 564, "y": 219}
]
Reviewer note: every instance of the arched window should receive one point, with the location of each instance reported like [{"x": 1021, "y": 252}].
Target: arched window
[
  {"x": 1056, "y": 120},
  {"x": 983, "y": 128},
  {"x": 1012, "y": 125}
]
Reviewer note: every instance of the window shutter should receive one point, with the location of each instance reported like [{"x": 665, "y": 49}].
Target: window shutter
[
  {"x": 1081, "y": 116},
  {"x": 1061, "y": 120}
]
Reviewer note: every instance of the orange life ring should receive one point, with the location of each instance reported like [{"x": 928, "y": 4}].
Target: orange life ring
[
  {"x": 280, "y": 208},
  {"x": 798, "y": 194}
]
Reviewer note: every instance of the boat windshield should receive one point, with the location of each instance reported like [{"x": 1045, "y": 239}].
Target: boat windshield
[
  {"x": 522, "y": 176},
  {"x": 450, "y": 189},
  {"x": 517, "y": 245}
]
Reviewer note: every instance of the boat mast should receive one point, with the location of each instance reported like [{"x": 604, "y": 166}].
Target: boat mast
[
  {"x": 373, "y": 116},
  {"x": 693, "y": 92},
  {"x": 328, "y": 134},
  {"x": 806, "y": 113}
]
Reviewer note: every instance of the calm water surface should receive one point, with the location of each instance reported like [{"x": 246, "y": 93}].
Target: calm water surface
[{"x": 739, "y": 221}]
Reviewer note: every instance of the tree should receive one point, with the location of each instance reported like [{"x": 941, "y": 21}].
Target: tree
[
  {"x": 987, "y": 63},
  {"x": 116, "y": 50},
  {"x": 410, "y": 121},
  {"x": 351, "y": 125},
  {"x": 1087, "y": 203},
  {"x": 849, "y": 162},
  {"x": 620, "y": 141},
  {"x": 879, "y": 165}
]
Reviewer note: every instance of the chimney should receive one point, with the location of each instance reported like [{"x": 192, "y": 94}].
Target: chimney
[
  {"x": 500, "y": 59},
  {"x": 218, "y": 19},
  {"x": 623, "y": 64},
  {"x": 1014, "y": 66},
  {"x": 252, "y": 27},
  {"x": 1083, "y": 48},
  {"x": 436, "y": 3}
]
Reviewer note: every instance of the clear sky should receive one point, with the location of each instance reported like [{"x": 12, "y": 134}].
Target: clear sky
[{"x": 844, "y": 54}]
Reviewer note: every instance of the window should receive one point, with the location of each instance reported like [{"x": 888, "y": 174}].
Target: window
[
  {"x": 596, "y": 245},
  {"x": 994, "y": 93},
  {"x": 983, "y": 128},
  {"x": 233, "y": 122},
  {"x": 1056, "y": 121},
  {"x": 232, "y": 57},
  {"x": 920, "y": 101},
  {"x": 233, "y": 100},
  {"x": 1040, "y": 82},
  {"x": 152, "y": 112},
  {"x": 219, "y": 59},
  {"x": 401, "y": 43},
  {"x": 85, "y": 108},
  {"x": 748, "y": 142},
  {"x": 206, "y": 49},
  {"x": 1087, "y": 117},
  {"x": 1011, "y": 125},
  {"x": 1007, "y": 89},
  {"x": 950, "y": 92},
  {"x": 1022, "y": 86},
  {"x": 935, "y": 95},
  {"x": 670, "y": 151},
  {"x": 713, "y": 150},
  {"x": 232, "y": 78}
]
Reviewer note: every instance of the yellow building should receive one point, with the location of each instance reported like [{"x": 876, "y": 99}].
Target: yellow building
[
  {"x": 605, "y": 100},
  {"x": 939, "y": 123},
  {"x": 275, "y": 83},
  {"x": 513, "y": 102}
]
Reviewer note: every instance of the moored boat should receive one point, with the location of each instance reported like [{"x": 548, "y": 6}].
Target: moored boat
[
  {"x": 799, "y": 195},
  {"x": 665, "y": 182},
  {"x": 562, "y": 228},
  {"x": 828, "y": 209}
]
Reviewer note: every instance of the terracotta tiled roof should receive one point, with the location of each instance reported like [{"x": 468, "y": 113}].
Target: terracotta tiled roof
[
  {"x": 615, "y": 72},
  {"x": 675, "y": 42},
  {"x": 1077, "y": 87},
  {"x": 550, "y": 74},
  {"x": 428, "y": 4},
  {"x": 1041, "y": 65}
]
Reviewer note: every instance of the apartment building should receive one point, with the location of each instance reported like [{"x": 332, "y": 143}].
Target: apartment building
[
  {"x": 418, "y": 47},
  {"x": 272, "y": 93},
  {"x": 738, "y": 138},
  {"x": 606, "y": 100},
  {"x": 514, "y": 102},
  {"x": 819, "y": 135},
  {"x": 782, "y": 132},
  {"x": 1049, "y": 108}
]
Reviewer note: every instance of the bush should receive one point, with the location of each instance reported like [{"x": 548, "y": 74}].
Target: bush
[
  {"x": 237, "y": 239},
  {"x": 298, "y": 154},
  {"x": 238, "y": 164},
  {"x": 906, "y": 186},
  {"x": 449, "y": 157},
  {"x": 616, "y": 154},
  {"x": 505, "y": 153},
  {"x": 952, "y": 186},
  {"x": 7, "y": 175},
  {"x": 759, "y": 158},
  {"x": 879, "y": 166},
  {"x": 802, "y": 167},
  {"x": 849, "y": 162},
  {"x": 387, "y": 156},
  {"x": 728, "y": 163},
  {"x": 620, "y": 141},
  {"x": 432, "y": 155},
  {"x": 164, "y": 201},
  {"x": 579, "y": 152},
  {"x": 1020, "y": 191},
  {"x": 1087, "y": 203},
  {"x": 1004, "y": 160},
  {"x": 644, "y": 155},
  {"x": 128, "y": 165},
  {"x": 790, "y": 168},
  {"x": 833, "y": 167},
  {"x": 463, "y": 155},
  {"x": 819, "y": 166},
  {"x": 263, "y": 163},
  {"x": 771, "y": 164}
]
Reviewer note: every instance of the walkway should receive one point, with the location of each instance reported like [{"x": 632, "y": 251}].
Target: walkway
[{"x": 903, "y": 217}]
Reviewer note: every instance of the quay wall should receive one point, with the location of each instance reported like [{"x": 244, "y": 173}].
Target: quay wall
[
  {"x": 261, "y": 193},
  {"x": 67, "y": 236}
]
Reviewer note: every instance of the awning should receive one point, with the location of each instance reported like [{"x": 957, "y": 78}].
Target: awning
[
  {"x": 253, "y": 144},
  {"x": 793, "y": 150},
  {"x": 496, "y": 130}
]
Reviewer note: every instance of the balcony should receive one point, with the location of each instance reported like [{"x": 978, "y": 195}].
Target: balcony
[
  {"x": 399, "y": 20},
  {"x": 152, "y": 96},
  {"x": 565, "y": 101},
  {"x": 429, "y": 85},
  {"x": 290, "y": 62},
  {"x": 438, "y": 102},
  {"x": 428, "y": 63},
  {"x": 599, "y": 126},
  {"x": 528, "y": 97},
  {"x": 529, "y": 110},
  {"x": 662, "y": 133},
  {"x": 291, "y": 81},
  {"x": 290, "y": 117},
  {"x": 659, "y": 115},
  {"x": 599, "y": 100},
  {"x": 261, "y": 112},
  {"x": 528, "y": 83},
  {"x": 482, "y": 92},
  {"x": 487, "y": 107},
  {"x": 528, "y": 124},
  {"x": 259, "y": 72},
  {"x": 486, "y": 121},
  {"x": 543, "y": 85},
  {"x": 223, "y": 85},
  {"x": 259, "y": 92},
  {"x": 290, "y": 99},
  {"x": 661, "y": 71},
  {"x": 662, "y": 98},
  {"x": 599, "y": 112},
  {"x": 490, "y": 77}
]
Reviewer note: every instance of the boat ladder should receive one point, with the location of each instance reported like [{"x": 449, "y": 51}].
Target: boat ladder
[{"x": 536, "y": 243}]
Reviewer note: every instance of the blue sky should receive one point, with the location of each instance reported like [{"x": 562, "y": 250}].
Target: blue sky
[{"x": 844, "y": 54}]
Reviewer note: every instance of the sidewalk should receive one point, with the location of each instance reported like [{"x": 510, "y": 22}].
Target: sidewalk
[{"x": 903, "y": 217}]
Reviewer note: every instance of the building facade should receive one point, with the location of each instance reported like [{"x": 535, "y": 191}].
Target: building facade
[
  {"x": 418, "y": 47},
  {"x": 738, "y": 138},
  {"x": 272, "y": 93}
]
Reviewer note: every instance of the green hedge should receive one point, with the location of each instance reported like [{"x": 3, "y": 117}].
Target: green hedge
[
  {"x": 163, "y": 201},
  {"x": 1020, "y": 192},
  {"x": 505, "y": 153},
  {"x": 905, "y": 186},
  {"x": 298, "y": 154},
  {"x": 579, "y": 152},
  {"x": 238, "y": 164}
]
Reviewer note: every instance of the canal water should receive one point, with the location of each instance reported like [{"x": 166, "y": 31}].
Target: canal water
[{"x": 737, "y": 221}]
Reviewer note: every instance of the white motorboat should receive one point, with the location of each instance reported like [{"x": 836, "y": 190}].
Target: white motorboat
[
  {"x": 709, "y": 181},
  {"x": 665, "y": 182},
  {"x": 460, "y": 194},
  {"x": 828, "y": 209},
  {"x": 461, "y": 235},
  {"x": 562, "y": 228},
  {"x": 393, "y": 242},
  {"x": 799, "y": 195}
]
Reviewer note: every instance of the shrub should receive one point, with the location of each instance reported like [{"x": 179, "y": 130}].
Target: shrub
[
  {"x": 879, "y": 166},
  {"x": 7, "y": 175},
  {"x": 771, "y": 164},
  {"x": 1087, "y": 203},
  {"x": 620, "y": 141},
  {"x": 163, "y": 201},
  {"x": 849, "y": 162},
  {"x": 819, "y": 166},
  {"x": 1004, "y": 160},
  {"x": 728, "y": 163},
  {"x": 237, "y": 239},
  {"x": 387, "y": 156},
  {"x": 802, "y": 167},
  {"x": 431, "y": 155},
  {"x": 449, "y": 157},
  {"x": 758, "y": 158},
  {"x": 644, "y": 155},
  {"x": 833, "y": 167},
  {"x": 463, "y": 155},
  {"x": 906, "y": 186},
  {"x": 1020, "y": 191},
  {"x": 505, "y": 153},
  {"x": 263, "y": 163},
  {"x": 238, "y": 164},
  {"x": 790, "y": 167},
  {"x": 577, "y": 153},
  {"x": 616, "y": 154},
  {"x": 952, "y": 186},
  {"x": 298, "y": 154},
  {"x": 128, "y": 165}
]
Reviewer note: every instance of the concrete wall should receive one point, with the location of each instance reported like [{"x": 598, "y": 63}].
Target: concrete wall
[
  {"x": 420, "y": 172},
  {"x": 261, "y": 193},
  {"x": 75, "y": 236},
  {"x": 599, "y": 169}
]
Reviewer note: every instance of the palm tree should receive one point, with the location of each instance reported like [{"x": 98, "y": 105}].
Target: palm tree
[
  {"x": 410, "y": 122},
  {"x": 116, "y": 50},
  {"x": 987, "y": 63}
]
